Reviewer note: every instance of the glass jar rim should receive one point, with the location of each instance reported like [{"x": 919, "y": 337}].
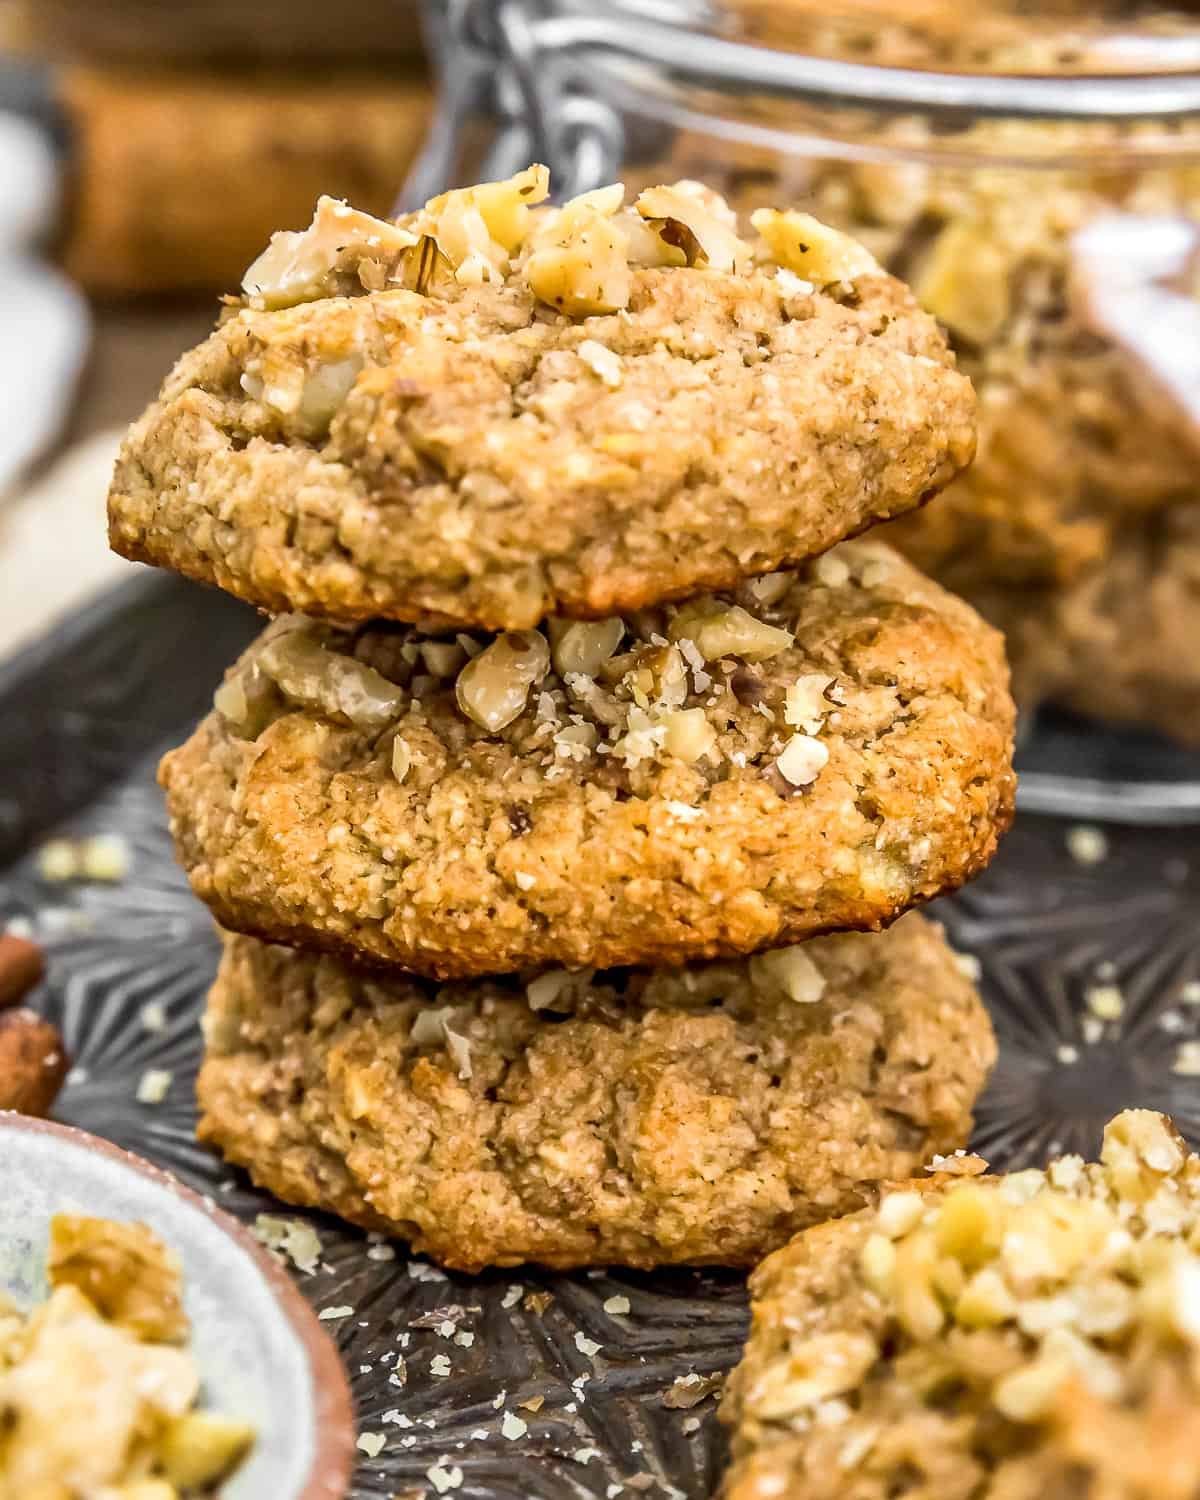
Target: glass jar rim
[{"x": 636, "y": 41}]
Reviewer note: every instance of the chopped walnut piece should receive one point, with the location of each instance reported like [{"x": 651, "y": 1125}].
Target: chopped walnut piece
[
  {"x": 689, "y": 1390},
  {"x": 584, "y": 646},
  {"x": 687, "y": 734},
  {"x": 966, "y": 281},
  {"x": 247, "y": 701},
  {"x": 324, "y": 391},
  {"x": 543, "y": 991},
  {"x": 198, "y": 1447},
  {"x": 790, "y": 970},
  {"x": 811, "y": 249},
  {"x": 769, "y": 588},
  {"x": 805, "y": 704},
  {"x": 336, "y": 685},
  {"x": 710, "y": 239},
  {"x": 125, "y": 1271},
  {"x": 578, "y": 256},
  {"x": 493, "y": 687},
  {"x": 477, "y": 228},
  {"x": 429, "y": 1028},
  {"x": 1140, "y": 1149},
  {"x": 719, "y": 630},
  {"x": 802, "y": 760},
  {"x": 642, "y": 739},
  {"x": 899, "y": 1213},
  {"x": 297, "y": 266}
]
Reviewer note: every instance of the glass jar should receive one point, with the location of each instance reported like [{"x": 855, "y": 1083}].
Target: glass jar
[{"x": 1034, "y": 174}]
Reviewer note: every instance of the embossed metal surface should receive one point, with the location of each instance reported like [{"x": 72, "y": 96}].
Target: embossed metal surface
[{"x": 1062, "y": 945}]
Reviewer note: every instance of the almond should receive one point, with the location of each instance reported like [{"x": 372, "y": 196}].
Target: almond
[
  {"x": 21, "y": 967},
  {"x": 33, "y": 1062}
]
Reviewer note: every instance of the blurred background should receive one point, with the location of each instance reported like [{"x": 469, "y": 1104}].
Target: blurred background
[
  {"x": 1032, "y": 170},
  {"x": 147, "y": 153}
]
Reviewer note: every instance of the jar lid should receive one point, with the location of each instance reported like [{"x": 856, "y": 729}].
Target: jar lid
[
  {"x": 1009, "y": 58},
  {"x": 573, "y": 82}
]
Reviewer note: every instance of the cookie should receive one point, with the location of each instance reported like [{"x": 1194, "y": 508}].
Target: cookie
[
  {"x": 1060, "y": 308},
  {"x": 1074, "y": 440},
  {"x": 688, "y": 1116},
  {"x": 490, "y": 412},
  {"x": 1033, "y": 1337},
  {"x": 1120, "y": 643},
  {"x": 820, "y": 751}
]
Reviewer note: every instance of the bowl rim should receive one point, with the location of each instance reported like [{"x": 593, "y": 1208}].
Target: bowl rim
[{"x": 333, "y": 1442}]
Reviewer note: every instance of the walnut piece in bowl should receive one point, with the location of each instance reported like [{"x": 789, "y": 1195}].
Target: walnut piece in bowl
[{"x": 150, "y": 1349}]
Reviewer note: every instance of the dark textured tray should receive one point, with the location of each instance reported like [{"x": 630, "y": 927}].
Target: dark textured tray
[{"x": 85, "y": 716}]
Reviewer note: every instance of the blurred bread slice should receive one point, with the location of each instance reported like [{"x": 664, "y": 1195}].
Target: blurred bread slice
[
  {"x": 191, "y": 30},
  {"x": 180, "y": 178}
]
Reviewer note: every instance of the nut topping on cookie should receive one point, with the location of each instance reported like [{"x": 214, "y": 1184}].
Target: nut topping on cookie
[
  {"x": 335, "y": 684},
  {"x": 1036, "y": 1334},
  {"x": 803, "y": 245},
  {"x": 738, "y": 773},
  {"x": 578, "y": 258},
  {"x": 498, "y": 409},
  {"x": 298, "y": 264},
  {"x": 493, "y": 687}
]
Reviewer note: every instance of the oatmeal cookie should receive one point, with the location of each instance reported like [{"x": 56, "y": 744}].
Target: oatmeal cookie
[
  {"x": 1033, "y": 1337},
  {"x": 698, "y": 1115},
  {"x": 1119, "y": 643},
  {"x": 1074, "y": 441},
  {"x": 822, "y": 750},
  {"x": 1060, "y": 258},
  {"x": 488, "y": 412}
]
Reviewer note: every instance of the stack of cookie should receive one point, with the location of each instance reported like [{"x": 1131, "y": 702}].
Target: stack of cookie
[{"x": 580, "y": 732}]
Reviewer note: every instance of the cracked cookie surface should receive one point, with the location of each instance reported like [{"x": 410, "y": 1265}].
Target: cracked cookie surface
[
  {"x": 634, "y": 1118},
  {"x": 577, "y": 417},
  {"x": 821, "y": 751}
]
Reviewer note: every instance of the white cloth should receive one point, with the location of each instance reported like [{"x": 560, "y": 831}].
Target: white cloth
[
  {"x": 44, "y": 321},
  {"x": 53, "y": 550}
]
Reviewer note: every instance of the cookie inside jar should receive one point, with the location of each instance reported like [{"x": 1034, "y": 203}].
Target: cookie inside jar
[{"x": 1032, "y": 173}]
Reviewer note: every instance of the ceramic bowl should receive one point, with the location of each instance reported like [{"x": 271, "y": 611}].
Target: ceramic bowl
[{"x": 263, "y": 1357}]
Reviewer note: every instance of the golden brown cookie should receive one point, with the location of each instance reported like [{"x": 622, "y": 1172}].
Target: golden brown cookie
[
  {"x": 821, "y": 751},
  {"x": 1120, "y": 642},
  {"x": 491, "y": 412},
  {"x": 1073, "y": 439},
  {"x": 635, "y": 1118},
  {"x": 1035, "y": 1337},
  {"x": 1085, "y": 462}
]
